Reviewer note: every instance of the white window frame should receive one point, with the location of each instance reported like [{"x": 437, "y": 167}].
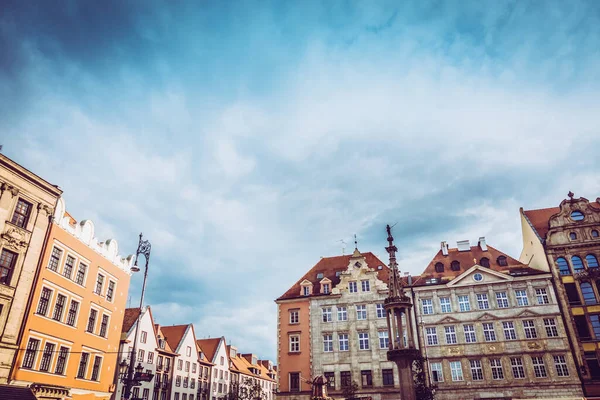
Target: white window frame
[
  {"x": 518, "y": 370},
  {"x": 522, "y": 298},
  {"x": 502, "y": 300},
  {"x": 294, "y": 316},
  {"x": 445, "y": 305},
  {"x": 384, "y": 339},
  {"x": 342, "y": 313},
  {"x": 508, "y": 327},
  {"x": 476, "y": 370},
  {"x": 470, "y": 335},
  {"x": 496, "y": 365},
  {"x": 456, "y": 371},
  {"x": 464, "y": 304},
  {"x": 294, "y": 343},
  {"x": 489, "y": 333},
  {"x": 551, "y": 327},
  {"x": 431, "y": 335},
  {"x": 539, "y": 367},
  {"x": 436, "y": 367},
  {"x": 450, "y": 334},
  {"x": 483, "y": 302},
  {"x": 328, "y": 343},
  {"x": 427, "y": 306},
  {"x": 363, "y": 341},
  {"x": 344, "y": 341},
  {"x": 541, "y": 295},
  {"x": 560, "y": 363},
  {"x": 380, "y": 311},
  {"x": 353, "y": 287},
  {"x": 326, "y": 314},
  {"x": 361, "y": 312},
  {"x": 529, "y": 329}
]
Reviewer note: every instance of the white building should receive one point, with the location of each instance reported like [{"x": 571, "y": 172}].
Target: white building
[
  {"x": 215, "y": 350},
  {"x": 182, "y": 339}
]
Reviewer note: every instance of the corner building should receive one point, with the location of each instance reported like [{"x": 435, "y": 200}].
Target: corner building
[{"x": 491, "y": 327}]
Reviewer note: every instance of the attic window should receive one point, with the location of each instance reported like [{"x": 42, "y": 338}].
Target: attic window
[
  {"x": 502, "y": 261},
  {"x": 573, "y": 236},
  {"x": 594, "y": 233},
  {"x": 485, "y": 262},
  {"x": 320, "y": 275},
  {"x": 357, "y": 264},
  {"x": 577, "y": 216},
  {"x": 381, "y": 267},
  {"x": 439, "y": 267},
  {"x": 455, "y": 266},
  {"x": 337, "y": 273}
]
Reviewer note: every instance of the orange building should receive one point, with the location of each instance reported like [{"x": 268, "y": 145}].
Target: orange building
[{"x": 68, "y": 348}]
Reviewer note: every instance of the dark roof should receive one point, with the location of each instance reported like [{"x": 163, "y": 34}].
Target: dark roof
[
  {"x": 130, "y": 318},
  {"x": 11, "y": 392},
  {"x": 328, "y": 266}
]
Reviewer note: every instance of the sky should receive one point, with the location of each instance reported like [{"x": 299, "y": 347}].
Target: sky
[{"x": 246, "y": 139}]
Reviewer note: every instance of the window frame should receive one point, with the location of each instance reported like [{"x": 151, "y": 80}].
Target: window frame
[
  {"x": 18, "y": 218},
  {"x": 7, "y": 268}
]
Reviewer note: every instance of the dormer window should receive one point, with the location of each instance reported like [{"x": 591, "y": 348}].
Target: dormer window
[
  {"x": 502, "y": 261},
  {"x": 485, "y": 262},
  {"x": 439, "y": 267},
  {"x": 595, "y": 233},
  {"x": 573, "y": 236},
  {"x": 577, "y": 215},
  {"x": 455, "y": 266}
]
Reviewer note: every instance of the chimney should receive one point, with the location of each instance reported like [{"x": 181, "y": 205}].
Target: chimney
[
  {"x": 482, "y": 245},
  {"x": 444, "y": 248},
  {"x": 463, "y": 245}
]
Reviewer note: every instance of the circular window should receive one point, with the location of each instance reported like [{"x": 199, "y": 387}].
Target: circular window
[
  {"x": 573, "y": 236},
  {"x": 478, "y": 277},
  {"x": 577, "y": 216}
]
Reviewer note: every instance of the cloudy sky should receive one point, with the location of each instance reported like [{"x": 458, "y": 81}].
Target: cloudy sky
[{"x": 247, "y": 138}]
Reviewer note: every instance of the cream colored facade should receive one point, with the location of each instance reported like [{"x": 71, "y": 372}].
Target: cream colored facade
[{"x": 27, "y": 204}]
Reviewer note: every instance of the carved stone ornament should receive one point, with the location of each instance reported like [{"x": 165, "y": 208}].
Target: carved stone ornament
[
  {"x": 46, "y": 209},
  {"x": 12, "y": 189},
  {"x": 453, "y": 350},
  {"x": 591, "y": 274},
  {"x": 14, "y": 238},
  {"x": 533, "y": 345}
]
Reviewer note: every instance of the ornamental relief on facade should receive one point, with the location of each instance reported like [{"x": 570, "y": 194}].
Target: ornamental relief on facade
[
  {"x": 13, "y": 190},
  {"x": 14, "y": 238}
]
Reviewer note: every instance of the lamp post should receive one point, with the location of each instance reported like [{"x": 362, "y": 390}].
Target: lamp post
[{"x": 127, "y": 372}]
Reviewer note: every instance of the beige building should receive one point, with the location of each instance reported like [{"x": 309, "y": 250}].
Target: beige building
[
  {"x": 27, "y": 204},
  {"x": 491, "y": 327}
]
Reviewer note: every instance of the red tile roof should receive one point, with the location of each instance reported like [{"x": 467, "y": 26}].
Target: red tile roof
[
  {"x": 209, "y": 347},
  {"x": 539, "y": 219},
  {"x": 328, "y": 266},
  {"x": 130, "y": 318},
  {"x": 158, "y": 332},
  {"x": 174, "y": 334}
]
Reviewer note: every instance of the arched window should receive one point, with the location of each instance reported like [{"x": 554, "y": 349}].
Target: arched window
[
  {"x": 455, "y": 266},
  {"x": 577, "y": 264},
  {"x": 588, "y": 293},
  {"x": 485, "y": 262},
  {"x": 592, "y": 261},
  {"x": 595, "y": 233},
  {"x": 573, "y": 236},
  {"x": 563, "y": 266},
  {"x": 502, "y": 261},
  {"x": 577, "y": 216},
  {"x": 439, "y": 267}
]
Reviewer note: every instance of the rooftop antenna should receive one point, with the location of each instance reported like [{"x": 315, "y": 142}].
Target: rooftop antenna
[
  {"x": 343, "y": 246},
  {"x": 355, "y": 242}
]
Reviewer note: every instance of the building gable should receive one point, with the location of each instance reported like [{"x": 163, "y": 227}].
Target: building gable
[{"x": 487, "y": 275}]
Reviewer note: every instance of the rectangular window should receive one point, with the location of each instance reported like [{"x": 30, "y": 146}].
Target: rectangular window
[
  {"x": 92, "y": 320},
  {"x": 59, "y": 307},
  {"x": 179, "y": 365},
  {"x": 456, "y": 371},
  {"x": 104, "y": 325},
  {"x": 572, "y": 294},
  {"x": 185, "y": 381},
  {"x": 111, "y": 290},
  {"x": 437, "y": 375},
  {"x": 352, "y": 287},
  {"x": 361, "y": 312},
  {"x": 44, "y": 301},
  {"x": 542, "y": 296},
  {"x": 146, "y": 394},
  {"x": 363, "y": 341},
  {"x": 529, "y": 328},
  {"x": 294, "y": 381},
  {"x": 294, "y": 318},
  {"x": 342, "y": 314},
  {"x": 551, "y": 329},
  {"x": 365, "y": 286},
  {"x": 561, "y": 366},
  {"x": 517, "y": 367},
  {"x": 178, "y": 381},
  {"x": 445, "y": 306},
  {"x": 54, "y": 259},
  {"x": 431, "y": 334},
  {"x": 68, "y": 270},
  {"x": 305, "y": 290},
  {"x": 30, "y": 353},
  {"x": 21, "y": 215},
  {"x": 47, "y": 357},
  {"x": 482, "y": 301},
  {"x": 142, "y": 355},
  {"x": 343, "y": 341},
  {"x": 8, "y": 260},
  {"x": 294, "y": 344},
  {"x": 388, "y": 377},
  {"x": 99, "y": 284},
  {"x": 366, "y": 378},
  {"x": 469, "y": 334},
  {"x": 144, "y": 337},
  {"x": 497, "y": 371},
  {"x": 345, "y": 378},
  {"x": 81, "y": 273},
  {"x": 330, "y": 376},
  {"x": 509, "y": 330},
  {"x": 83, "y": 361},
  {"x": 521, "y": 296},
  {"x": 96, "y": 368},
  {"x": 450, "y": 334},
  {"x": 476, "y": 370},
  {"x": 427, "y": 306},
  {"x": 488, "y": 332},
  {"x": 61, "y": 362},
  {"x": 328, "y": 343},
  {"x": 72, "y": 315},
  {"x": 326, "y": 288},
  {"x": 464, "y": 304},
  {"x": 539, "y": 368},
  {"x": 595, "y": 320},
  {"x": 326, "y": 314},
  {"x": 384, "y": 341},
  {"x": 380, "y": 311},
  {"x": 502, "y": 299}
]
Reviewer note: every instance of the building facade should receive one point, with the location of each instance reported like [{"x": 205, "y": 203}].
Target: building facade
[
  {"x": 72, "y": 333},
  {"x": 491, "y": 327},
  {"x": 216, "y": 352},
  {"x": 163, "y": 380},
  {"x": 204, "y": 374},
  {"x": 182, "y": 340},
  {"x": 27, "y": 205},
  {"x": 565, "y": 241},
  {"x": 254, "y": 378}
]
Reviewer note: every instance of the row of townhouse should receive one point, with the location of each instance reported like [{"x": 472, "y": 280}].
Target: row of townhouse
[{"x": 489, "y": 325}]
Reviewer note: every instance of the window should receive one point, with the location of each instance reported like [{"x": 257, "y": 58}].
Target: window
[
  {"x": 328, "y": 343},
  {"x": 595, "y": 320},
  {"x": 577, "y": 215},
  {"x": 144, "y": 337},
  {"x": 352, "y": 287},
  {"x": 96, "y": 368},
  {"x": 455, "y": 266},
  {"x": 502, "y": 261},
  {"x": 305, "y": 290},
  {"x": 81, "y": 273},
  {"x": 509, "y": 330},
  {"x": 595, "y": 233},
  {"x": 561, "y": 366},
  {"x": 363, "y": 341},
  {"x": 366, "y": 378},
  {"x": 178, "y": 381},
  {"x": 365, "y": 286},
  {"x": 294, "y": 317},
  {"x": 529, "y": 328},
  {"x": 72, "y": 315},
  {"x": 44, "y": 301},
  {"x": 456, "y": 371},
  {"x": 30, "y": 353},
  {"x": 521, "y": 296},
  {"x": 427, "y": 306},
  {"x": 581, "y": 325},
  {"x": 21, "y": 215},
  {"x": 188, "y": 352},
  {"x": 82, "y": 365},
  {"x": 592, "y": 364},
  {"x": 361, "y": 312},
  {"x": 488, "y": 332},
  {"x": 437, "y": 374},
  {"x": 388, "y": 377},
  {"x": 61, "y": 361},
  {"x": 577, "y": 264},
  {"x": 343, "y": 341},
  {"x": 384, "y": 340},
  {"x": 572, "y": 294},
  {"x": 59, "y": 307},
  {"x": 141, "y": 355},
  {"x": 542, "y": 296},
  {"x": 445, "y": 306},
  {"x": 99, "y": 284},
  {"x": 176, "y": 394},
  {"x": 294, "y": 344},
  {"x": 185, "y": 381},
  {"x": 469, "y": 333},
  {"x": 92, "y": 320},
  {"x": 463, "y": 303},
  {"x": 439, "y": 267},
  {"x": 573, "y": 236},
  {"x": 482, "y": 301},
  {"x": 563, "y": 266},
  {"x": 450, "y": 334},
  {"x": 193, "y": 367},
  {"x": 592, "y": 261},
  {"x": 517, "y": 367},
  {"x": 502, "y": 299},
  {"x": 294, "y": 381},
  {"x": 477, "y": 277},
  {"x": 47, "y": 357},
  {"x": 539, "y": 369},
  {"x": 476, "y": 370},
  {"x": 431, "y": 334},
  {"x": 68, "y": 270},
  {"x": 103, "y": 325},
  {"x": 497, "y": 372},
  {"x": 179, "y": 365},
  {"x": 380, "y": 311},
  {"x": 346, "y": 378},
  {"x": 485, "y": 262},
  {"x": 111, "y": 290},
  {"x": 7, "y": 264},
  {"x": 326, "y": 313},
  {"x": 588, "y": 293},
  {"x": 550, "y": 325},
  {"x": 330, "y": 376},
  {"x": 146, "y": 393},
  {"x": 326, "y": 288}
]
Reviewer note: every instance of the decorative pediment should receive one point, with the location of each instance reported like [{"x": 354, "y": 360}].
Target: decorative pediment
[
  {"x": 306, "y": 282},
  {"x": 478, "y": 275},
  {"x": 528, "y": 314},
  {"x": 486, "y": 317},
  {"x": 325, "y": 280},
  {"x": 15, "y": 238},
  {"x": 448, "y": 320}
]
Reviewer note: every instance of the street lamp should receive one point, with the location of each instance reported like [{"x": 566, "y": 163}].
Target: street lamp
[{"x": 127, "y": 372}]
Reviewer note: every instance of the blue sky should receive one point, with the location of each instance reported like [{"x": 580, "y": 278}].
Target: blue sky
[{"x": 246, "y": 138}]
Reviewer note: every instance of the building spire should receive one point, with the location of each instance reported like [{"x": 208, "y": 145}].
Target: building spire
[
  {"x": 395, "y": 285},
  {"x": 355, "y": 242}
]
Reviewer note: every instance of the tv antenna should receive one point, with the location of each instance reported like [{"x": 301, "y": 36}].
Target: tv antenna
[{"x": 343, "y": 246}]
